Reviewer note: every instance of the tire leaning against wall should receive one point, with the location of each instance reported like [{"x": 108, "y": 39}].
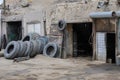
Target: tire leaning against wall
[
  {"x": 31, "y": 36},
  {"x": 51, "y": 50},
  {"x": 39, "y": 46},
  {"x": 11, "y": 53},
  {"x": 43, "y": 43},
  {"x": 44, "y": 39}
]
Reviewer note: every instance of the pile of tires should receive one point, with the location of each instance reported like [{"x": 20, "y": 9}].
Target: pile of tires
[
  {"x": 52, "y": 50},
  {"x": 31, "y": 45},
  {"x": 17, "y": 49}
]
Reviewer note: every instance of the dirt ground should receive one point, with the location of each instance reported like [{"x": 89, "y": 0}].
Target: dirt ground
[{"x": 45, "y": 68}]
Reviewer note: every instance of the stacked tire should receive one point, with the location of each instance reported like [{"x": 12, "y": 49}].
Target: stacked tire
[{"x": 31, "y": 36}]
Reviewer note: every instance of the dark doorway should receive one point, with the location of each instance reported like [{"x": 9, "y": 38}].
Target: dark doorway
[
  {"x": 14, "y": 31},
  {"x": 82, "y": 40},
  {"x": 110, "y": 44}
]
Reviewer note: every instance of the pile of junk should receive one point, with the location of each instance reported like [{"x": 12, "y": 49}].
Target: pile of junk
[{"x": 30, "y": 46}]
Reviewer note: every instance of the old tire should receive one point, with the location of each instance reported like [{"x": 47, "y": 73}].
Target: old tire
[
  {"x": 29, "y": 48},
  {"x": 61, "y": 25},
  {"x": 51, "y": 50},
  {"x": 11, "y": 50},
  {"x": 31, "y": 36},
  {"x": 23, "y": 47},
  {"x": 34, "y": 49},
  {"x": 19, "y": 54},
  {"x": 39, "y": 46}
]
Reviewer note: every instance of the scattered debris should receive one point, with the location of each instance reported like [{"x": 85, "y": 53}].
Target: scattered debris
[{"x": 21, "y": 59}]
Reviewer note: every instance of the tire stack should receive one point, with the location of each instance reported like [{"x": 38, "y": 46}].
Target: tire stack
[{"x": 31, "y": 45}]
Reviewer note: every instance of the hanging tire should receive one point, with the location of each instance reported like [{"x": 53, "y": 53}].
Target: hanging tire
[
  {"x": 61, "y": 25},
  {"x": 51, "y": 50},
  {"x": 11, "y": 50},
  {"x": 31, "y": 36}
]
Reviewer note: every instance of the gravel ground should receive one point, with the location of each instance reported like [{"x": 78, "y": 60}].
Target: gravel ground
[{"x": 44, "y": 68}]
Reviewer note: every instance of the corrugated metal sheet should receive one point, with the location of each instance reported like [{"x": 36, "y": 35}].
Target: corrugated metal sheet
[{"x": 101, "y": 46}]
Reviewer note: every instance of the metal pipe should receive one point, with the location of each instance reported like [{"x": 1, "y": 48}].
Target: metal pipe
[{"x": 103, "y": 14}]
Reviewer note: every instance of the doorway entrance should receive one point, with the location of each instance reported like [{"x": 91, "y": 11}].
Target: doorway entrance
[
  {"x": 110, "y": 44},
  {"x": 14, "y": 31},
  {"x": 82, "y": 40}
]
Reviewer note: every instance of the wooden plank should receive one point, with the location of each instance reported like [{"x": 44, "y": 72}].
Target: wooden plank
[{"x": 68, "y": 41}]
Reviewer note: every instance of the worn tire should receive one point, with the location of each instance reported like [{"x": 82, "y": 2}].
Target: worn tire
[
  {"x": 34, "y": 49},
  {"x": 51, "y": 50},
  {"x": 39, "y": 44},
  {"x": 31, "y": 36},
  {"x": 22, "y": 49},
  {"x": 11, "y": 50},
  {"x": 29, "y": 48},
  {"x": 41, "y": 47},
  {"x": 61, "y": 25},
  {"x": 19, "y": 43},
  {"x": 44, "y": 39}
]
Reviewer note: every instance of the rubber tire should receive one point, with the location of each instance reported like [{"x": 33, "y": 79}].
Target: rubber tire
[
  {"x": 31, "y": 36},
  {"x": 22, "y": 49},
  {"x": 42, "y": 44},
  {"x": 45, "y": 39},
  {"x": 39, "y": 45},
  {"x": 19, "y": 54},
  {"x": 61, "y": 25},
  {"x": 29, "y": 48},
  {"x": 14, "y": 52},
  {"x": 54, "y": 53},
  {"x": 34, "y": 49}
]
